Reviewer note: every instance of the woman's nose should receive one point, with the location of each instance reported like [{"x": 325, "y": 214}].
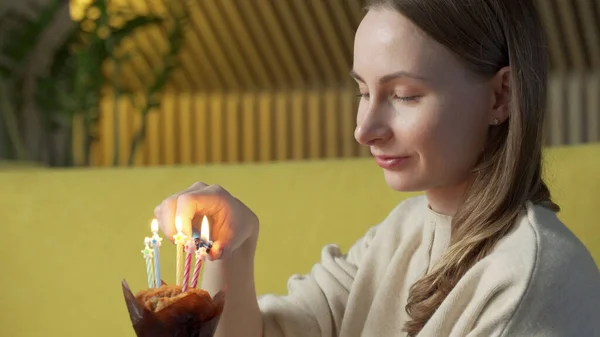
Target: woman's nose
[{"x": 372, "y": 131}]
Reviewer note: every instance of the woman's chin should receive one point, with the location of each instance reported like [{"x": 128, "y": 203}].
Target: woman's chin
[{"x": 402, "y": 182}]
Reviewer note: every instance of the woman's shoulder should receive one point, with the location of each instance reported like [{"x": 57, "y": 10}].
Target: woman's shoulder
[
  {"x": 545, "y": 250},
  {"x": 556, "y": 243},
  {"x": 556, "y": 276},
  {"x": 539, "y": 233}
]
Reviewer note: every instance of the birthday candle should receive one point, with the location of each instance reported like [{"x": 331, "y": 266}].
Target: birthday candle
[
  {"x": 201, "y": 253},
  {"x": 200, "y": 256},
  {"x": 180, "y": 240},
  {"x": 148, "y": 255},
  {"x": 156, "y": 242},
  {"x": 190, "y": 248}
]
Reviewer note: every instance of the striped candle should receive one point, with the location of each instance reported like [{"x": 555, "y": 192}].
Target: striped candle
[
  {"x": 149, "y": 255},
  {"x": 200, "y": 256},
  {"x": 190, "y": 247},
  {"x": 156, "y": 242}
]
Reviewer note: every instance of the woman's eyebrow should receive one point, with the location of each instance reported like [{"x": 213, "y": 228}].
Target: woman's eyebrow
[{"x": 389, "y": 77}]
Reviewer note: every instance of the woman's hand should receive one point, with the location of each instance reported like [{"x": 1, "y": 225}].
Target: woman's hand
[{"x": 233, "y": 223}]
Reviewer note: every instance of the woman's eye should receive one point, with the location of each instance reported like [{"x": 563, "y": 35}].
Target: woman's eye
[
  {"x": 363, "y": 95},
  {"x": 406, "y": 99}
]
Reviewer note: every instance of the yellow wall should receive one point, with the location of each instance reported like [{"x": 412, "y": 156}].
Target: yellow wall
[{"x": 70, "y": 236}]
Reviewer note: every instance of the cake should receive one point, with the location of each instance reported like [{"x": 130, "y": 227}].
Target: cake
[{"x": 167, "y": 311}]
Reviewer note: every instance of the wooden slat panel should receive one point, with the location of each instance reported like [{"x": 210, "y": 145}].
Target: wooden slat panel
[
  {"x": 287, "y": 61},
  {"x": 348, "y": 123},
  {"x": 123, "y": 140},
  {"x": 264, "y": 42},
  {"x": 200, "y": 129},
  {"x": 573, "y": 39},
  {"x": 249, "y": 128},
  {"x": 331, "y": 124},
  {"x": 153, "y": 139},
  {"x": 238, "y": 45},
  {"x": 132, "y": 72},
  {"x": 139, "y": 158},
  {"x": 225, "y": 38},
  {"x": 298, "y": 125},
  {"x": 315, "y": 44},
  {"x": 184, "y": 112},
  {"x": 558, "y": 55},
  {"x": 107, "y": 130},
  {"x": 576, "y": 114},
  {"x": 217, "y": 146},
  {"x": 335, "y": 48},
  {"x": 265, "y": 126},
  {"x": 149, "y": 43},
  {"x": 77, "y": 139},
  {"x": 590, "y": 29},
  {"x": 313, "y": 129},
  {"x": 345, "y": 26},
  {"x": 593, "y": 108},
  {"x": 167, "y": 126},
  {"x": 213, "y": 46},
  {"x": 232, "y": 124},
  {"x": 282, "y": 130},
  {"x": 257, "y": 63},
  {"x": 207, "y": 77},
  {"x": 355, "y": 10},
  {"x": 180, "y": 75},
  {"x": 306, "y": 59},
  {"x": 556, "y": 110}
]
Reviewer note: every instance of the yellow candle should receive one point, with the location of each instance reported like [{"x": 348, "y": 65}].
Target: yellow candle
[{"x": 179, "y": 240}]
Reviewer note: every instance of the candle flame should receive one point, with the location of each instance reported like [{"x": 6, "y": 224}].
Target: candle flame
[
  {"x": 178, "y": 224},
  {"x": 154, "y": 225},
  {"x": 204, "y": 230}
]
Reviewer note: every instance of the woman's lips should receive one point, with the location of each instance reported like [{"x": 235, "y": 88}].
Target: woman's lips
[{"x": 389, "y": 162}]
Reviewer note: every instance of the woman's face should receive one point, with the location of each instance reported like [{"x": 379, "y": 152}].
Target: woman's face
[{"x": 424, "y": 116}]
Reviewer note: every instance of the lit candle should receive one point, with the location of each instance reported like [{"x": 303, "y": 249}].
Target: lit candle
[
  {"x": 148, "y": 255},
  {"x": 190, "y": 248},
  {"x": 200, "y": 256},
  {"x": 201, "y": 253},
  {"x": 156, "y": 242},
  {"x": 180, "y": 241}
]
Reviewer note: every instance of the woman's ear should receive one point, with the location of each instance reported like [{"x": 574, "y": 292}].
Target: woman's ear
[{"x": 500, "y": 111}]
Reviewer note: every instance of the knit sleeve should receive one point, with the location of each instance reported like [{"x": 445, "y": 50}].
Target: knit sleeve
[{"x": 315, "y": 303}]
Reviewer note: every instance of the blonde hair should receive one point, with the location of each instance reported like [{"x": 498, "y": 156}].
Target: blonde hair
[{"x": 487, "y": 35}]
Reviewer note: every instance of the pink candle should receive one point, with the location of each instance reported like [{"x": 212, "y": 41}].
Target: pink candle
[
  {"x": 190, "y": 247},
  {"x": 200, "y": 256}
]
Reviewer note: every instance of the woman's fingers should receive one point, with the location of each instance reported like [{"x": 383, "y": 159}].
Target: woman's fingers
[
  {"x": 207, "y": 201},
  {"x": 166, "y": 211},
  {"x": 216, "y": 252},
  {"x": 232, "y": 222}
]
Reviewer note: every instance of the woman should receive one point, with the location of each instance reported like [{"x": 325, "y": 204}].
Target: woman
[{"x": 452, "y": 97}]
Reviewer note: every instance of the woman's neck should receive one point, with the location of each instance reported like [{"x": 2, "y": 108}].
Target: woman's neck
[{"x": 446, "y": 200}]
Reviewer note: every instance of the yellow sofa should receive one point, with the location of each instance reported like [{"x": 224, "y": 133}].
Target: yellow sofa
[{"x": 70, "y": 236}]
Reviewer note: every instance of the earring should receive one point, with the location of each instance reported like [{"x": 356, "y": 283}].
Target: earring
[{"x": 496, "y": 121}]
